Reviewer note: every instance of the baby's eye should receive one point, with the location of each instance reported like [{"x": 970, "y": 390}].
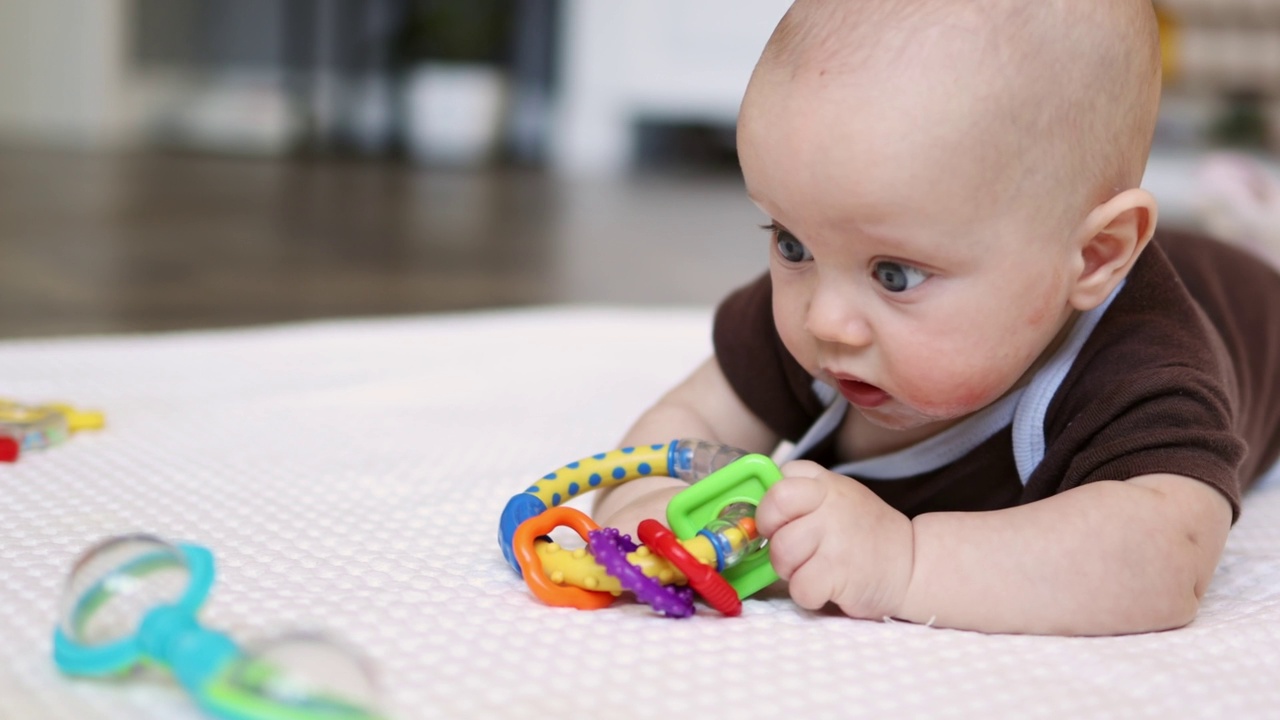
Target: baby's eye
[
  {"x": 897, "y": 277},
  {"x": 791, "y": 249}
]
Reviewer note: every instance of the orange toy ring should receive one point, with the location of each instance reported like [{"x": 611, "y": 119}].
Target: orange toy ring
[
  {"x": 714, "y": 589},
  {"x": 531, "y": 567}
]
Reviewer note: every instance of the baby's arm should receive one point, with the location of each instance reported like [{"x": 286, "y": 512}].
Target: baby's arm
[
  {"x": 703, "y": 406},
  {"x": 1104, "y": 558}
]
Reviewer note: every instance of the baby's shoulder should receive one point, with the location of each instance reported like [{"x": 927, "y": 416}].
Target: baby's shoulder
[{"x": 1157, "y": 341}]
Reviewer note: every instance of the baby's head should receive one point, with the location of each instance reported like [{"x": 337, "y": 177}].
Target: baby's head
[{"x": 951, "y": 182}]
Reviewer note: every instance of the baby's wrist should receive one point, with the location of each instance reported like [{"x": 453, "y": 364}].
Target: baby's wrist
[{"x": 902, "y": 576}]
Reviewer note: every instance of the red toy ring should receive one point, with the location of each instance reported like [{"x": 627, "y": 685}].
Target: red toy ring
[{"x": 714, "y": 589}]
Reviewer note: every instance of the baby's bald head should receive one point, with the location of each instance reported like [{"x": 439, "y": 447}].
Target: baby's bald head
[{"x": 1056, "y": 96}]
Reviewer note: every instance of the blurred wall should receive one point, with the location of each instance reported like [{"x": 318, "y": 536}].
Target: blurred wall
[
  {"x": 63, "y": 70},
  {"x": 256, "y": 76},
  {"x": 186, "y": 33},
  {"x": 276, "y": 76},
  {"x": 622, "y": 63}
]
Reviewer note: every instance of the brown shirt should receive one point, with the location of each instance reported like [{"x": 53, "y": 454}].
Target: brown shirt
[{"x": 1181, "y": 376}]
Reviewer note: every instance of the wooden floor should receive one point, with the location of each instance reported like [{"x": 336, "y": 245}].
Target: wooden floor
[{"x": 94, "y": 244}]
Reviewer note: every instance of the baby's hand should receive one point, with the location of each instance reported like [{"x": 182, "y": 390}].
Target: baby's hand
[
  {"x": 651, "y": 503},
  {"x": 835, "y": 541}
]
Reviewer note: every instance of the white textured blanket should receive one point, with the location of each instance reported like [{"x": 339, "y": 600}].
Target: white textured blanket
[{"x": 349, "y": 476}]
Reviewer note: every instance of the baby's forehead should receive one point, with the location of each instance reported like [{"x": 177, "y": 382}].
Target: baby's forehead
[
  {"x": 943, "y": 60},
  {"x": 897, "y": 105},
  {"x": 876, "y": 166}
]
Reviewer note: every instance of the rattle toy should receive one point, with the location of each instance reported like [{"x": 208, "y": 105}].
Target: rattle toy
[
  {"x": 132, "y": 601},
  {"x": 712, "y": 549},
  {"x": 34, "y": 427}
]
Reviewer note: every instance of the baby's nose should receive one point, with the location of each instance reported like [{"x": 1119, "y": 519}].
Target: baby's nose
[{"x": 835, "y": 317}]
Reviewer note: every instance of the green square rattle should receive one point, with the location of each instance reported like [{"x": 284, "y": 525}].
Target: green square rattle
[{"x": 743, "y": 481}]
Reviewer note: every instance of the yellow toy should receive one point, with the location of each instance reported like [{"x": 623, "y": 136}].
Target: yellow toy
[{"x": 32, "y": 427}]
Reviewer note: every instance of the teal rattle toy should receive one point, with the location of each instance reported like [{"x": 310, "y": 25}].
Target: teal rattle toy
[{"x": 132, "y": 601}]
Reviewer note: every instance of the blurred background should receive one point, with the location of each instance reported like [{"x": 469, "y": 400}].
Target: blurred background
[{"x": 169, "y": 164}]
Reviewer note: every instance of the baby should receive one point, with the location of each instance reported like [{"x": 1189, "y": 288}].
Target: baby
[{"x": 1015, "y": 410}]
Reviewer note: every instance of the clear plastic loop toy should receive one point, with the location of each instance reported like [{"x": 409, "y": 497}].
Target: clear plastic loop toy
[
  {"x": 132, "y": 601},
  {"x": 712, "y": 548},
  {"x": 36, "y": 427}
]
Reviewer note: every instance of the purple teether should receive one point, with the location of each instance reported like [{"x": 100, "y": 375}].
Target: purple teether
[{"x": 610, "y": 549}]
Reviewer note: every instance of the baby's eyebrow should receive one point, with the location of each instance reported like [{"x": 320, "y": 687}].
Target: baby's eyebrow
[{"x": 894, "y": 240}]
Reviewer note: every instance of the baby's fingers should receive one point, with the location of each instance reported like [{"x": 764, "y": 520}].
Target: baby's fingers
[
  {"x": 793, "y": 545},
  {"x": 791, "y": 497},
  {"x": 812, "y": 585}
]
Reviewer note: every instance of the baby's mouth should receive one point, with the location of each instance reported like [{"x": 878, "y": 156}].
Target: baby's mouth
[{"x": 863, "y": 395}]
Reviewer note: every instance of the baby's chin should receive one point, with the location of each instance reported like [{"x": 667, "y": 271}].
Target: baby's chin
[{"x": 897, "y": 415}]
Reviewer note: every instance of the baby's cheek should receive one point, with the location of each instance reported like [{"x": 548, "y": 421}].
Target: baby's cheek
[
  {"x": 949, "y": 387},
  {"x": 795, "y": 340}
]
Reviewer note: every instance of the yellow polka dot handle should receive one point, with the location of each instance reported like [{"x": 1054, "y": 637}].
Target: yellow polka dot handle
[{"x": 689, "y": 460}]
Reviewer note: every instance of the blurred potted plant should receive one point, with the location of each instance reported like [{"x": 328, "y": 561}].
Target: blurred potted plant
[{"x": 453, "y": 54}]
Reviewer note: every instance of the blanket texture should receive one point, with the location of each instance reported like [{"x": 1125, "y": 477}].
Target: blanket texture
[{"x": 348, "y": 477}]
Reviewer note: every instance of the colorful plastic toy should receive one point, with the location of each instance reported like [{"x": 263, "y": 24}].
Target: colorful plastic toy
[
  {"x": 133, "y": 601},
  {"x": 712, "y": 547},
  {"x": 35, "y": 427},
  {"x": 10, "y": 447}
]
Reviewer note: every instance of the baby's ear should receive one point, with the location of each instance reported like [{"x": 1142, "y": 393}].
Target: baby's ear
[{"x": 1110, "y": 240}]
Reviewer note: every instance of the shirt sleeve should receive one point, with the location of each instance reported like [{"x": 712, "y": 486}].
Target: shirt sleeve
[
  {"x": 1241, "y": 298},
  {"x": 1153, "y": 391},
  {"x": 1166, "y": 421},
  {"x": 759, "y": 368}
]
